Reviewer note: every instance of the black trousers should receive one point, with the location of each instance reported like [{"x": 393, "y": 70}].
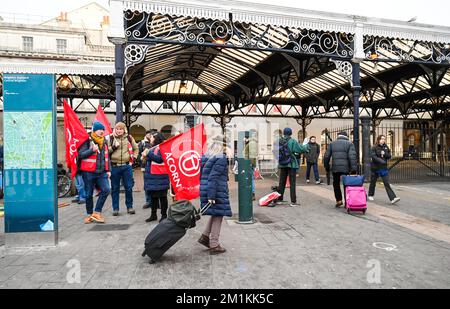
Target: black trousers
[
  {"x": 337, "y": 186},
  {"x": 387, "y": 186},
  {"x": 159, "y": 198},
  {"x": 286, "y": 172}
]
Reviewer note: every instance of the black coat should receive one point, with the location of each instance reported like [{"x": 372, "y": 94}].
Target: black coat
[
  {"x": 379, "y": 161},
  {"x": 313, "y": 155},
  {"x": 342, "y": 153}
]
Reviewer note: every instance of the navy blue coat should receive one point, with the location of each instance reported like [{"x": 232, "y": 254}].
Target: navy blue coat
[
  {"x": 214, "y": 185},
  {"x": 155, "y": 182}
]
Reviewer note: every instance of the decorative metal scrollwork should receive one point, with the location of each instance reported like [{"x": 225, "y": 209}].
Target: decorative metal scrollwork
[
  {"x": 135, "y": 54},
  {"x": 345, "y": 69},
  {"x": 304, "y": 121},
  {"x": 149, "y": 27},
  {"x": 380, "y": 48}
]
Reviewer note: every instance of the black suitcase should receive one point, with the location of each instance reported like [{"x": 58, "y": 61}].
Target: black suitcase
[{"x": 162, "y": 238}]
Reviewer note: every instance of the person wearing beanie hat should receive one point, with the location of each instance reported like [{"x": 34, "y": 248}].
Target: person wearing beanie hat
[
  {"x": 123, "y": 150},
  {"x": 285, "y": 150},
  {"x": 95, "y": 167},
  {"x": 287, "y": 132},
  {"x": 342, "y": 153},
  {"x": 97, "y": 126}
]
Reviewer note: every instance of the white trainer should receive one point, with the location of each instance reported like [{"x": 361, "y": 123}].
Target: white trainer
[
  {"x": 371, "y": 198},
  {"x": 396, "y": 200}
]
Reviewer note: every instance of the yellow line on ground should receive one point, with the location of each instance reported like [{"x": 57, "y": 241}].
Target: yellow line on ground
[{"x": 432, "y": 229}]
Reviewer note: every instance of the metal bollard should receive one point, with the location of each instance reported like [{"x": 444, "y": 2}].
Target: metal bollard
[{"x": 245, "y": 191}]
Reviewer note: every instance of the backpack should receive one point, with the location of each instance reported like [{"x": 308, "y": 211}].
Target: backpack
[
  {"x": 184, "y": 214},
  {"x": 284, "y": 153}
]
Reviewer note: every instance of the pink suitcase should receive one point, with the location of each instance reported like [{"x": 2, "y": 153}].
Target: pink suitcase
[{"x": 355, "y": 199}]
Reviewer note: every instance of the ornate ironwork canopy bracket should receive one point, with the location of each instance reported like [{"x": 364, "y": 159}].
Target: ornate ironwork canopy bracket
[
  {"x": 345, "y": 69},
  {"x": 134, "y": 54},
  {"x": 223, "y": 121},
  {"x": 304, "y": 121}
]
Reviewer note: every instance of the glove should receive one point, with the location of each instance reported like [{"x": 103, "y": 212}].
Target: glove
[{"x": 212, "y": 202}]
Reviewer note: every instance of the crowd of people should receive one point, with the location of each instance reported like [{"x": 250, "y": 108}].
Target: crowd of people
[{"x": 106, "y": 164}]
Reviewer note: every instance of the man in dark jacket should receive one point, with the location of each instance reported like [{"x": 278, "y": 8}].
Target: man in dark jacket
[
  {"x": 145, "y": 144},
  {"x": 96, "y": 168},
  {"x": 343, "y": 155},
  {"x": 312, "y": 158}
]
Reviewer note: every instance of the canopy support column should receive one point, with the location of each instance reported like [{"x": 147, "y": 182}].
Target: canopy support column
[{"x": 118, "y": 79}]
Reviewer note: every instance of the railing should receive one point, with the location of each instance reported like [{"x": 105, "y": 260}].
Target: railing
[{"x": 419, "y": 152}]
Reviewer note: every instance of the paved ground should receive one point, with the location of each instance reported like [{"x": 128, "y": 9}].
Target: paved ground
[{"x": 312, "y": 246}]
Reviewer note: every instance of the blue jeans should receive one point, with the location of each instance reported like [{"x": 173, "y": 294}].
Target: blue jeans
[
  {"x": 125, "y": 173},
  {"x": 102, "y": 182},
  {"x": 79, "y": 183},
  {"x": 315, "y": 168}
]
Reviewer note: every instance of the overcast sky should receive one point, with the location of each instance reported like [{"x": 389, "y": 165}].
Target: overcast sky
[{"x": 430, "y": 12}]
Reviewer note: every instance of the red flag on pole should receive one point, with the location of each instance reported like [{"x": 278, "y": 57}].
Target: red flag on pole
[
  {"x": 101, "y": 117},
  {"x": 75, "y": 135},
  {"x": 182, "y": 156}
]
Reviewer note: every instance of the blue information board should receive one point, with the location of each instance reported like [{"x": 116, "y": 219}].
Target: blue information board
[{"x": 30, "y": 177}]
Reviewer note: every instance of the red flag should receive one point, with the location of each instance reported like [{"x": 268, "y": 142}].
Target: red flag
[
  {"x": 101, "y": 117},
  {"x": 182, "y": 156},
  {"x": 75, "y": 135}
]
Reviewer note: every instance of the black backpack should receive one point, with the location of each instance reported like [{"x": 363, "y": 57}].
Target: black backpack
[{"x": 284, "y": 153}]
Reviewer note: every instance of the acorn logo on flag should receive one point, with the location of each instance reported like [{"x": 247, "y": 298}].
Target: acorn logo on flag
[{"x": 190, "y": 163}]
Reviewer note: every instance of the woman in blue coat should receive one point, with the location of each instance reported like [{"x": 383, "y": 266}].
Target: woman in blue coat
[
  {"x": 214, "y": 190},
  {"x": 156, "y": 185}
]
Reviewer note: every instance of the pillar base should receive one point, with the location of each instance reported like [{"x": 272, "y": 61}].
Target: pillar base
[{"x": 26, "y": 240}]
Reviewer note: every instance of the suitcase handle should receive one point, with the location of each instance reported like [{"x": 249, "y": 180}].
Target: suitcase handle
[{"x": 205, "y": 208}]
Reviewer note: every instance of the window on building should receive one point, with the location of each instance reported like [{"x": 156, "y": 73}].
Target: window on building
[
  {"x": 391, "y": 140},
  {"x": 104, "y": 103},
  {"x": 411, "y": 140},
  {"x": 27, "y": 43},
  {"x": 61, "y": 46},
  {"x": 167, "y": 105}
]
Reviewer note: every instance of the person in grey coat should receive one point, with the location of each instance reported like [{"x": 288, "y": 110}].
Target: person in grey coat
[{"x": 342, "y": 153}]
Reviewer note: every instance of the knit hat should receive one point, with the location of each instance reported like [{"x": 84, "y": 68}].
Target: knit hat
[
  {"x": 97, "y": 126},
  {"x": 343, "y": 133},
  {"x": 287, "y": 132}
]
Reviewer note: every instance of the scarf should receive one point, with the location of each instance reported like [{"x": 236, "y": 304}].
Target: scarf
[{"x": 98, "y": 140}]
